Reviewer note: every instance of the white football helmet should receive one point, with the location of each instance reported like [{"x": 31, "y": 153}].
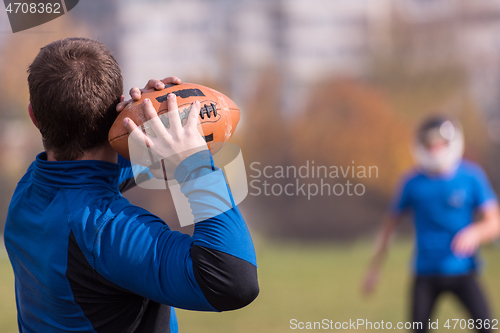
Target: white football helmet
[{"x": 439, "y": 145}]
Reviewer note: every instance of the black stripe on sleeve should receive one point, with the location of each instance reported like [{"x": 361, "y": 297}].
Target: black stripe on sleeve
[
  {"x": 228, "y": 282},
  {"x": 108, "y": 307}
]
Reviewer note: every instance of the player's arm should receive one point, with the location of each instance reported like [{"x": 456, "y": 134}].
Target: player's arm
[
  {"x": 400, "y": 202},
  {"x": 215, "y": 269},
  {"x": 224, "y": 263},
  {"x": 487, "y": 229},
  {"x": 384, "y": 238}
]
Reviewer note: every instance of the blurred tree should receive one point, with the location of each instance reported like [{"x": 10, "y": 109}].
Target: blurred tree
[
  {"x": 264, "y": 135},
  {"x": 345, "y": 121},
  {"x": 349, "y": 121}
]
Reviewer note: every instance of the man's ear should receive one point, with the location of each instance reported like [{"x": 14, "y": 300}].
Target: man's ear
[{"x": 32, "y": 116}]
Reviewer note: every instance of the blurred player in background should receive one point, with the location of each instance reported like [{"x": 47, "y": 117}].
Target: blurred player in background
[{"x": 444, "y": 194}]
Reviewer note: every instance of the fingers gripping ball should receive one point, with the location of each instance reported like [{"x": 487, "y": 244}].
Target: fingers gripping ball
[{"x": 217, "y": 118}]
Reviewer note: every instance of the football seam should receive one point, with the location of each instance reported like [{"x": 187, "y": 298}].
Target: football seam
[{"x": 121, "y": 136}]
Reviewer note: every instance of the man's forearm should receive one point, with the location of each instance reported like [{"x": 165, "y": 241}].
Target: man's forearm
[
  {"x": 223, "y": 256},
  {"x": 385, "y": 236},
  {"x": 488, "y": 227}
]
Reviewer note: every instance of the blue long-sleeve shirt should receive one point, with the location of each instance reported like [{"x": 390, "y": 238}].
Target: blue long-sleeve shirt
[{"x": 86, "y": 260}]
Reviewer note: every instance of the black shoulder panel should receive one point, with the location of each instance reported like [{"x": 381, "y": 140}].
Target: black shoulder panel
[
  {"x": 156, "y": 319},
  {"x": 228, "y": 282},
  {"x": 131, "y": 182},
  {"x": 127, "y": 185},
  {"x": 107, "y": 306}
]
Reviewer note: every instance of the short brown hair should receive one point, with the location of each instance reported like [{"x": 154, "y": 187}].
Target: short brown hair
[{"x": 74, "y": 85}]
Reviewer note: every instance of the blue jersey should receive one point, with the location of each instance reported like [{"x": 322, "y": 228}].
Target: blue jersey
[
  {"x": 86, "y": 260},
  {"x": 441, "y": 207}
]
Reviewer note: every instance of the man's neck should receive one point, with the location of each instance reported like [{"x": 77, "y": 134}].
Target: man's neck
[{"x": 104, "y": 153}]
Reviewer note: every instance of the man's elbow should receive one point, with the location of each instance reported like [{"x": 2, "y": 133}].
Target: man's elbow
[
  {"x": 492, "y": 217},
  {"x": 227, "y": 282},
  {"x": 240, "y": 295}
]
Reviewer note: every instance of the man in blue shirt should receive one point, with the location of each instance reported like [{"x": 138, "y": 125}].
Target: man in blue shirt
[
  {"x": 85, "y": 259},
  {"x": 443, "y": 194}
]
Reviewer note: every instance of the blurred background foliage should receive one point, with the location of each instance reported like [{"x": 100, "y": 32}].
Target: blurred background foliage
[{"x": 339, "y": 85}]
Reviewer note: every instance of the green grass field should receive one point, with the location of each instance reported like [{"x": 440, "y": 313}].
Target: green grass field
[{"x": 307, "y": 283}]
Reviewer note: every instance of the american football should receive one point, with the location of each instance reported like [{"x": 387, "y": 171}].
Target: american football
[{"x": 218, "y": 117}]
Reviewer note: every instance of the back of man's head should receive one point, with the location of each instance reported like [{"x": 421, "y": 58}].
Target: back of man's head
[{"x": 75, "y": 85}]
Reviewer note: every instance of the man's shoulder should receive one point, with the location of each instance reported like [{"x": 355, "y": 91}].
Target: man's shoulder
[
  {"x": 101, "y": 206},
  {"x": 124, "y": 209},
  {"x": 471, "y": 171},
  {"x": 470, "y": 168},
  {"x": 25, "y": 178},
  {"x": 411, "y": 176},
  {"x": 91, "y": 216}
]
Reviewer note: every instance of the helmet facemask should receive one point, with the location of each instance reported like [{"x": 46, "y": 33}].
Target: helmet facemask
[{"x": 439, "y": 146}]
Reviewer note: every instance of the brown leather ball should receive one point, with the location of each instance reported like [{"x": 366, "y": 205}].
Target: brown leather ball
[{"x": 218, "y": 116}]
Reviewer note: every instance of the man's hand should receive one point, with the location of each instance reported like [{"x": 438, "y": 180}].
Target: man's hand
[
  {"x": 466, "y": 242},
  {"x": 370, "y": 281},
  {"x": 136, "y": 93},
  {"x": 168, "y": 145}
]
